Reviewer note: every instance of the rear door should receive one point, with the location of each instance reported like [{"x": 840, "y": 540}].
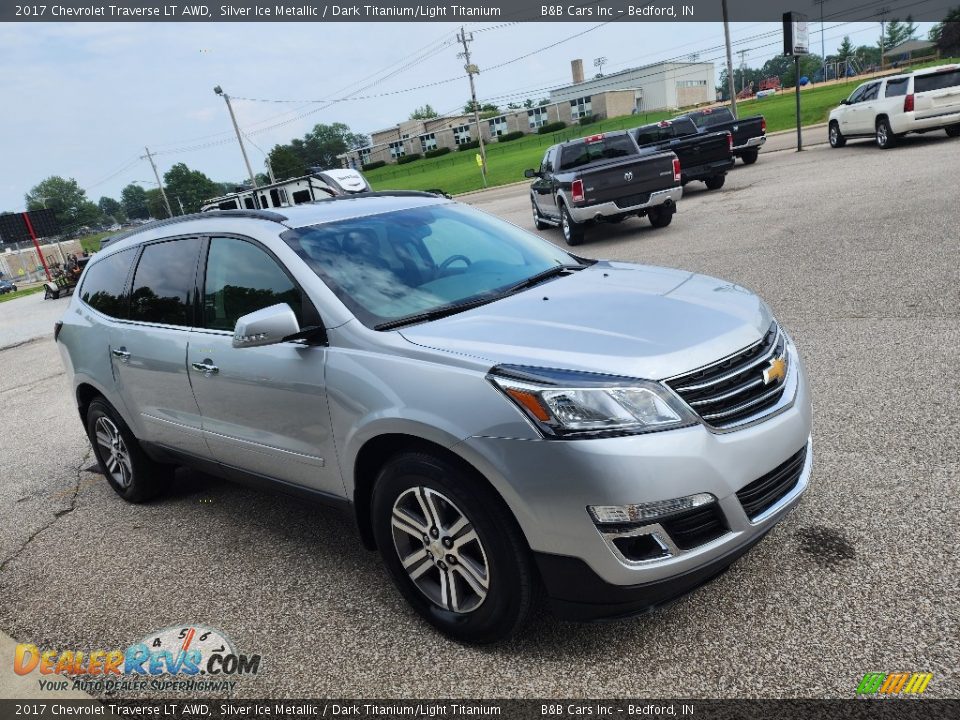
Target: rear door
[
  {"x": 149, "y": 350},
  {"x": 264, "y": 408},
  {"x": 937, "y": 93}
]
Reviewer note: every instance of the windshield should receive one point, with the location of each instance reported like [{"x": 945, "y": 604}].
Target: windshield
[{"x": 405, "y": 263}]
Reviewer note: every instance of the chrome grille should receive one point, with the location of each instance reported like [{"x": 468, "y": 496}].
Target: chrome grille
[{"x": 734, "y": 388}]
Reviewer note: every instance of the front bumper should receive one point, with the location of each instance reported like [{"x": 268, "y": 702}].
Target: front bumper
[
  {"x": 610, "y": 209},
  {"x": 753, "y": 142},
  {"x": 549, "y": 484}
]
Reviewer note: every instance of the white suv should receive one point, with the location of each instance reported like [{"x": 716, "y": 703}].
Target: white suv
[{"x": 889, "y": 108}]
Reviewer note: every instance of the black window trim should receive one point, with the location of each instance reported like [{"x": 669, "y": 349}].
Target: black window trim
[
  {"x": 125, "y": 289},
  {"x": 309, "y": 311},
  {"x": 133, "y": 271}
]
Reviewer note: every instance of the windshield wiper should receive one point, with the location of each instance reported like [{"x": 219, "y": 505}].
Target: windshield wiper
[
  {"x": 439, "y": 312},
  {"x": 541, "y": 276}
]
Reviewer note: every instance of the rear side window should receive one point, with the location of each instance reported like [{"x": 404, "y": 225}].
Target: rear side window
[
  {"x": 936, "y": 81},
  {"x": 105, "y": 283},
  {"x": 710, "y": 119},
  {"x": 241, "y": 279},
  {"x": 164, "y": 281},
  {"x": 896, "y": 88},
  {"x": 607, "y": 147}
]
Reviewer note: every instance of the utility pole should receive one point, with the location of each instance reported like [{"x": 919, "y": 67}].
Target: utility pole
[
  {"x": 823, "y": 46},
  {"x": 472, "y": 70},
  {"x": 743, "y": 68},
  {"x": 182, "y": 211},
  {"x": 253, "y": 178},
  {"x": 159, "y": 184},
  {"x": 731, "y": 87}
]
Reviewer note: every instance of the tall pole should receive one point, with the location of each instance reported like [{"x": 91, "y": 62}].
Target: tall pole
[
  {"x": 159, "y": 184},
  {"x": 36, "y": 244},
  {"x": 743, "y": 68},
  {"x": 796, "y": 62},
  {"x": 465, "y": 40},
  {"x": 731, "y": 88},
  {"x": 243, "y": 150}
]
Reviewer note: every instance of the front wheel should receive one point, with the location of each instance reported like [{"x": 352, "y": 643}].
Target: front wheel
[
  {"x": 660, "y": 217},
  {"x": 749, "y": 157},
  {"x": 885, "y": 137},
  {"x": 953, "y": 130},
  {"x": 837, "y": 140},
  {"x": 452, "y": 548},
  {"x": 716, "y": 182},
  {"x": 572, "y": 230}
]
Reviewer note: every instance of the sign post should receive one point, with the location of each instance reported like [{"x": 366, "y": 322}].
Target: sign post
[{"x": 796, "y": 42}]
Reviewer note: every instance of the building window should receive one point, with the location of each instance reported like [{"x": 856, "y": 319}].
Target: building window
[
  {"x": 461, "y": 134},
  {"x": 397, "y": 149},
  {"x": 364, "y": 154},
  {"x": 498, "y": 125},
  {"x": 691, "y": 83},
  {"x": 428, "y": 142},
  {"x": 580, "y": 108},
  {"x": 537, "y": 117}
]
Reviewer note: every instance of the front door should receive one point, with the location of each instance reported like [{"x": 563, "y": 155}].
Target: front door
[{"x": 264, "y": 408}]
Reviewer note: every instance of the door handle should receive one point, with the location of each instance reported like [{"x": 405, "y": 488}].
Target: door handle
[
  {"x": 121, "y": 353},
  {"x": 206, "y": 367}
]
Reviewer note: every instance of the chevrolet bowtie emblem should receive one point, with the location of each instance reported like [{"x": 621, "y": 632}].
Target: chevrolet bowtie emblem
[{"x": 776, "y": 371}]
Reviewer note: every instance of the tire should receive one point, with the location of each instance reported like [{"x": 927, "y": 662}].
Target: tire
[
  {"x": 837, "y": 140},
  {"x": 659, "y": 217},
  {"x": 749, "y": 157},
  {"x": 953, "y": 130},
  {"x": 885, "y": 137},
  {"x": 572, "y": 231},
  {"x": 716, "y": 182},
  {"x": 490, "y": 568},
  {"x": 47, "y": 295},
  {"x": 538, "y": 222},
  {"x": 133, "y": 476}
]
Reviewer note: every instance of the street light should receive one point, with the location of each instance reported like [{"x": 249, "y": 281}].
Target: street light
[{"x": 253, "y": 179}]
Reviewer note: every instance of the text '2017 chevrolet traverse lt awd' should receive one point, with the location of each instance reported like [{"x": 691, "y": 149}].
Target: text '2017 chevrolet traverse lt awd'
[{"x": 503, "y": 419}]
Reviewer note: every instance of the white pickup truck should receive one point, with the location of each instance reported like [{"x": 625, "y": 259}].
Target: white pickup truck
[{"x": 888, "y": 108}]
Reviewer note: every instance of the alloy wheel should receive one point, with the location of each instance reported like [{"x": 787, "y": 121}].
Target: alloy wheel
[
  {"x": 113, "y": 451},
  {"x": 440, "y": 550}
]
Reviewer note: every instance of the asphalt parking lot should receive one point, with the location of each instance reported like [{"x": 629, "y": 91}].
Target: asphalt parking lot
[{"x": 858, "y": 253}]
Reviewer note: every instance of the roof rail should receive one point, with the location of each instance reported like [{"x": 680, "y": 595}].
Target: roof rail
[
  {"x": 258, "y": 214},
  {"x": 385, "y": 193}
]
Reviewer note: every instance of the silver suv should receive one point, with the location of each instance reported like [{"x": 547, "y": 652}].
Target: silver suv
[{"x": 503, "y": 419}]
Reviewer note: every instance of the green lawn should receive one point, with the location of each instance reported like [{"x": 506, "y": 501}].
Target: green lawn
[
  {"x": 458, "y": 171},
  {"x": 20, "y": 293},
  {"x": 91, "y": 243}
]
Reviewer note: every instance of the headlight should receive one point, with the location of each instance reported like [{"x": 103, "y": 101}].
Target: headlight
[{"x": 568, "y": 403}]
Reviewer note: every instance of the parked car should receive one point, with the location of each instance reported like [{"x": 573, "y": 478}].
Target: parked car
[
  {"x": 603, "y": 178},
  {"x": 749, "y": 134},
  {"x": 6, "y": 286},
  {"x": 889, "y": 108},
  {"x": 496, "y": 415},
  {"x": 703, "y": 156}
]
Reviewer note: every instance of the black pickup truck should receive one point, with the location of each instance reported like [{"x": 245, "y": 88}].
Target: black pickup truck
[
  {"x": 603, "y": 178},
  {"x": 703, "y": 156},
  {"x": 748, "y": 133}
]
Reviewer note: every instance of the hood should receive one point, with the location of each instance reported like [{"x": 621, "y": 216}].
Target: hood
[{"x": 617, "y": 318}]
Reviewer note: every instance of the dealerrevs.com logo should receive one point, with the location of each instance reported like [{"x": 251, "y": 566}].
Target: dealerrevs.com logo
[
  {"x": 894, "y": 684},
  {"x": 187, "y": 658}
]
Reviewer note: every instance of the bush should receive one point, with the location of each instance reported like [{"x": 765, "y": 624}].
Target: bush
[
  {"x": 472, "y": 145},
  {"x": 436, "y": 153},
  {"x": 408, "y": 158},
  {"x": 589, "y": 119},
  {"x": 374, "y": 165},
  {"x": 551, "y": 127},
  {"x": 507, "y": 137}
]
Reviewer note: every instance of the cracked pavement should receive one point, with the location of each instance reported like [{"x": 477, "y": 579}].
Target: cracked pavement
[{"x": 858, "y": 253}]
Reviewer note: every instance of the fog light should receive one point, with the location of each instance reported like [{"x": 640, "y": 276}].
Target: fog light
[{"x": 645, "y": 512}]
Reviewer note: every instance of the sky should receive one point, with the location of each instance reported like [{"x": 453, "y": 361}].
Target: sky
[{"x": 83, "y": 99}]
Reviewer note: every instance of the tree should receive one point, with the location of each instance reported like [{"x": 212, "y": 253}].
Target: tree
[
  {"x": 67, "y": 200},
  {"x": 946, "y": 34},
  {"x": 192, "y": 187},
  {"x": 286, "y": 163},
  {"x": 514, "y": 106},
  {"x": 111, "y": 208},
  {"x": 424, "y": 113},
  {"x": 868, "y": 56},
  {"x": 898, "y": 32},
  {"x": 155, "y": 205},
  {"x": 321, "y": 146},
  {"x": 134, "y": 201},
  {"x": 845, "y": 51},
  {"x": 528, "y": 103}
]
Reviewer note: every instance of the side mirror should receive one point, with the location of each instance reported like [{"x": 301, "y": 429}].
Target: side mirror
[
  {"x": 844, "y": 102},
  {"x": 265, "y": 327},
  {"x": 531, "y": 173}
]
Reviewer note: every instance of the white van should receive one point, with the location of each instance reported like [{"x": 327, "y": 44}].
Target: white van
[{"x": 889, "y": 108}]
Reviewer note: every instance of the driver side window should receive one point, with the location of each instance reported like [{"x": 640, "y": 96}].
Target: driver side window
[
  {"x": 857, "y": 95},
  {"x": 547, "y": 164}
]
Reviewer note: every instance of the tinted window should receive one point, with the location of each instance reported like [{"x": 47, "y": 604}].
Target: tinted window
[
  {"x": 163, "y": 284},
  {"x": 936, "y": 81},
  {"x": 241, "y": 279},
  {"x": 897, "y": 87},
  {"x": 715, "y": 117},
  {"x": 871, "y": 92},
  {"x": 604, "y": 148},
  {"x": 857, "y": 95},
  {"x": 103, "y": 287}
]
